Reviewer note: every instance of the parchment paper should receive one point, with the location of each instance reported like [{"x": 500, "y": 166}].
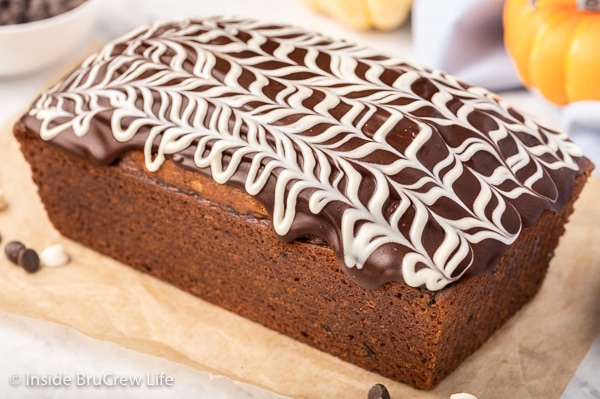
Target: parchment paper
[{"x": 533, "y": 356}]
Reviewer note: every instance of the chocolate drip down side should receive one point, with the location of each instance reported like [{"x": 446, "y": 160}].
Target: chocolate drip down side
[{"x": 408, "y": 174}]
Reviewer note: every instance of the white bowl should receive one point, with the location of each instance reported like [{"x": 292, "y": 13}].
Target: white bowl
[{"x": 30, "y": 46}]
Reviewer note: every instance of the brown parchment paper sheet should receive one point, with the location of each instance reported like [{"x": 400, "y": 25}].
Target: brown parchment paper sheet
[{"x": 533, "y": 356}]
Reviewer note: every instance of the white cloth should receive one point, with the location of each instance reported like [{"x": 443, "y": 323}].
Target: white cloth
[
  {"x": 581, "y": 120},
  {"x": 466, "y": 39}
]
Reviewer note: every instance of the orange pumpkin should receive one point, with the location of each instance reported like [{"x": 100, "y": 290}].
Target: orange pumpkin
[{"x": 555, "y": 45}]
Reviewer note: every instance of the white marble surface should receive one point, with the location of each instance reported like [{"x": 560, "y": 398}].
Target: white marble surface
[
  {"x": 44, "y": 360},
  {"x": 43, "y": 349}
]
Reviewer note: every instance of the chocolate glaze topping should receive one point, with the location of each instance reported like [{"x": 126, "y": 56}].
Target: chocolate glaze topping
[{"x": 409, "y": 174}]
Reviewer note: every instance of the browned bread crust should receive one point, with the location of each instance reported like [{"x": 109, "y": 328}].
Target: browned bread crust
[{"x": 217, "y": 243}]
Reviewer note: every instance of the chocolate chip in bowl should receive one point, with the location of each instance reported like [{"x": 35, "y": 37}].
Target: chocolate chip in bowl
[
  {"x": 38, "y": 33},
  {"x": 20, "y": 11}
]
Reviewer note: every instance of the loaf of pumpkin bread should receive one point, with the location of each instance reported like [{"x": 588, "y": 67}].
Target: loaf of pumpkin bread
[{"x": 387, "y": 214}]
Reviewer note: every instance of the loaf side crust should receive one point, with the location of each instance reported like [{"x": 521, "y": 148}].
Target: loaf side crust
[{"x": 217, "y": 243}]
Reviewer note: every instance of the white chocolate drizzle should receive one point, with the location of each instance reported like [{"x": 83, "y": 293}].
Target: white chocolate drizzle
[{"x": 416, "y": 174}]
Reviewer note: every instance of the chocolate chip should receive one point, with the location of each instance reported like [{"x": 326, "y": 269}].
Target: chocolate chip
[
  {"x": 29, "y": 260},
  {"x": 378, "y": 391},
  {"x": 18, "y": 254},
  {"x": 22, "y": 11},
  {"x": 54, "y": 256},
  {"x": 12, "y": 12},
  {"x": 12, "y": 250}
]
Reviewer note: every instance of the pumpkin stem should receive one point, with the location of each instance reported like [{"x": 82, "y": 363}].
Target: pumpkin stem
[{"x": 588, "y": 5}]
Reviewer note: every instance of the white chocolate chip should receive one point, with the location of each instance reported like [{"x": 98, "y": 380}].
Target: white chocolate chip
[
  {"x": 3, "y": 203},
  {"x": 462, "y": 396},
  {"x": 54, "y": 256}
]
